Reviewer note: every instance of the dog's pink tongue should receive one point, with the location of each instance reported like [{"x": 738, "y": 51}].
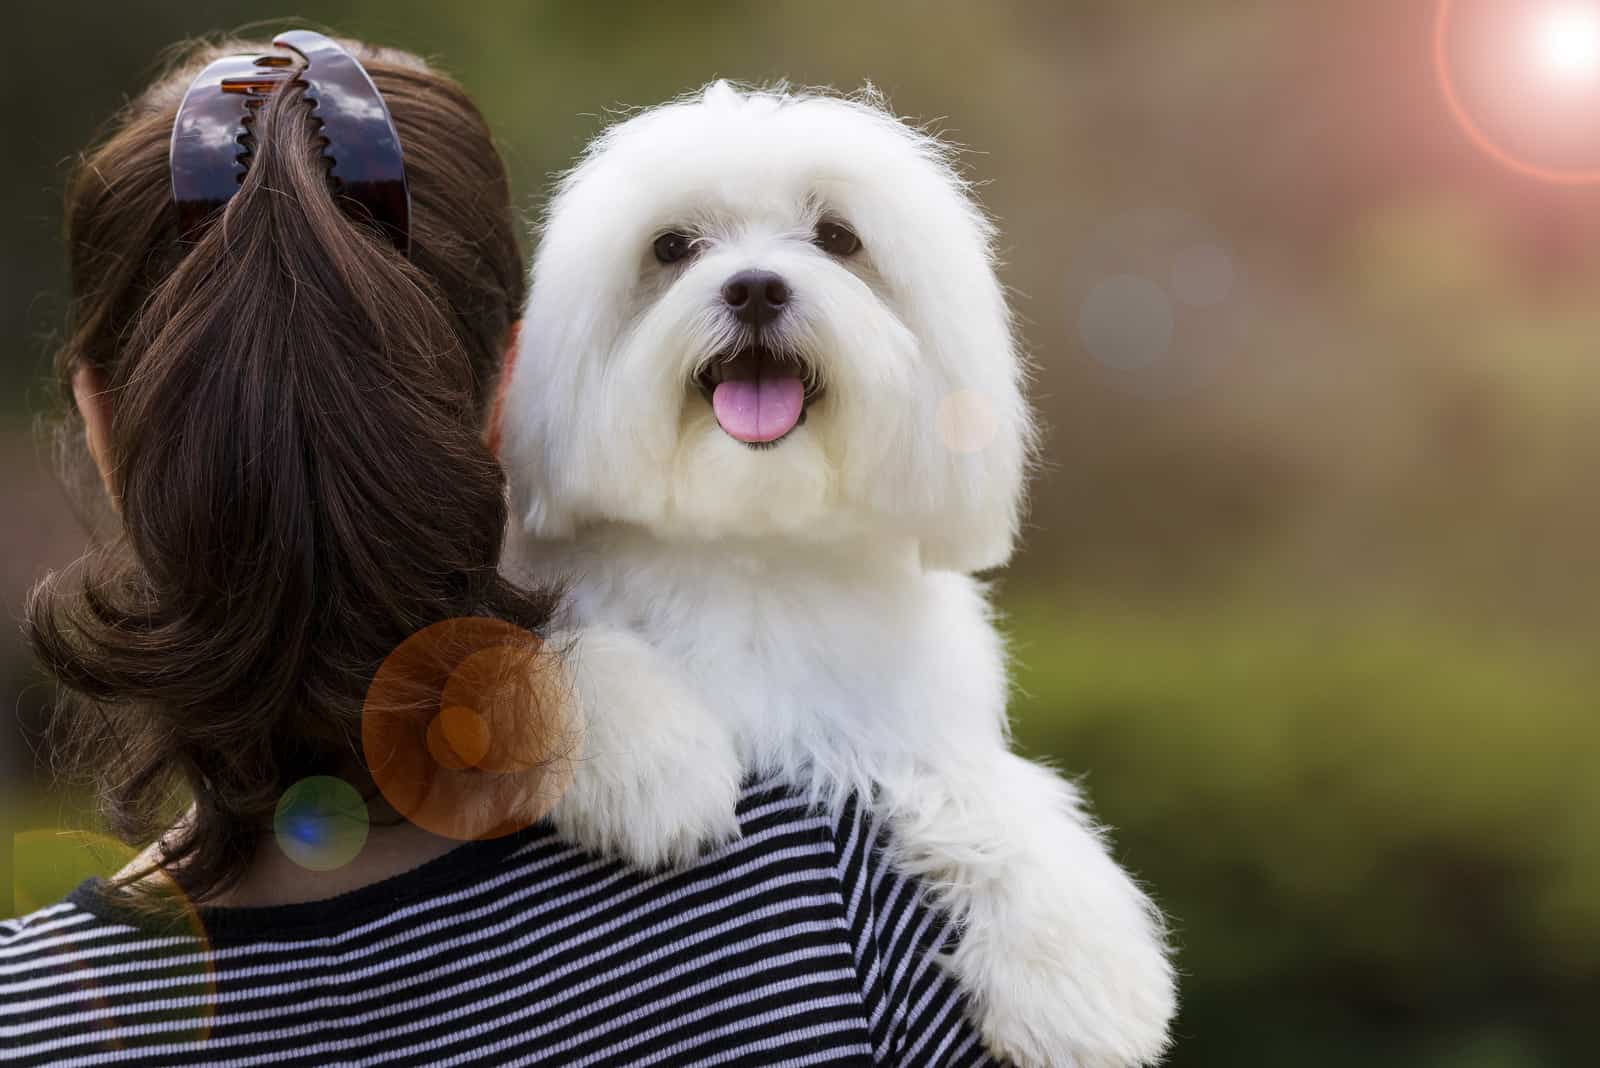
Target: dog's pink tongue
[{"x": 758, "y": 409}]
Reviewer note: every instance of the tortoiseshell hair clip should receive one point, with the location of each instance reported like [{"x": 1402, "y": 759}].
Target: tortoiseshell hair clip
[{"x": 208, "y": 157}]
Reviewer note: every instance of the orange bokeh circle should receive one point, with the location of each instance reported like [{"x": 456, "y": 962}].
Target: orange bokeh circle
[
  {"x": 1475, "y": 133},
  {"x": 466, "y": 730}
]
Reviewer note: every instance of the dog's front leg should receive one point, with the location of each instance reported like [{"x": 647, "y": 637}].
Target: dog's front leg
[
  {"x": 658, "y": 777},
  {"x": 1063, "y": 957}
]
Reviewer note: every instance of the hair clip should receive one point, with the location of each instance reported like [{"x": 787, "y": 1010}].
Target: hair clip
[{"x": 209, "y": 155}]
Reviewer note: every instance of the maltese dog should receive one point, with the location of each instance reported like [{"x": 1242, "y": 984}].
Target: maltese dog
[{"x": 766, "y": 420}]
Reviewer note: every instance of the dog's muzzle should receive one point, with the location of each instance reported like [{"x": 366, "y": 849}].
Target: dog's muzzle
[
  {"x": 757, "y": 394},
  {"x": 760, "y": 391}
]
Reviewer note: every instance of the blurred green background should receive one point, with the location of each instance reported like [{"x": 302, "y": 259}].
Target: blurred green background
[{"x": 1309, "y": 588}]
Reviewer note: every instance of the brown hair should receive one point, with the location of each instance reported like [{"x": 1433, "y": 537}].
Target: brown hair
[{"x": 294, "y": 449}]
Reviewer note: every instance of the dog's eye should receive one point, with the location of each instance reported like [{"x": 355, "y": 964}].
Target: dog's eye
[
  {"x": 672, "y": 247},
  {"x": 837, "y": 239}
]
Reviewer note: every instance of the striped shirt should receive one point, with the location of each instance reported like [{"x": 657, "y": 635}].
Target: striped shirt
[{"x": 794, "y": 945}]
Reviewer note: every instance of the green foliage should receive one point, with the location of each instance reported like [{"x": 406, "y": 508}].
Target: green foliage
[
  {"x": 49, "y": 863},
  {"x": 50, "y": 846},
  {"x": 1376, "y": 840}
]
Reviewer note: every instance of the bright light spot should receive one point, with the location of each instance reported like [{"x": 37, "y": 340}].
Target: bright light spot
[{"x": 1566, "y": 41}]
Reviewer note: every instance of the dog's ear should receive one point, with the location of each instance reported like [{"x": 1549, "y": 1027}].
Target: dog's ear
[
  {"x": 540, "y": 519},
  {"x": 954, "y": 456},
  {"x": 520, "y": 439},
  {"x": 533, "y": 502},
  {"x": 987, "y": 438},
  {"x": 966, "y": 459}
]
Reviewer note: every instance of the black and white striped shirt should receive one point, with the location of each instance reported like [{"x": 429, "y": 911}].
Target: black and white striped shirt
[{"x": 795, "y": 945}]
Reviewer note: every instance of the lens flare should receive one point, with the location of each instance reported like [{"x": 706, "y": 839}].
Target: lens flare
[
  {"x": 1543, "y": 92},
  {"x": 1127, "y": 323},
  {"x": 1566, "y": 42},
  {"x": 466, "y": 728},
  {"x": 321, "y": 823},
  {"x": 967, "y": 421},
  {"x": 50, "y": 863}
]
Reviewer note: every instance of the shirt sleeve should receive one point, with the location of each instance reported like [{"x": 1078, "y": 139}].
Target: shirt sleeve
[{"x": 916, "y": 1013}]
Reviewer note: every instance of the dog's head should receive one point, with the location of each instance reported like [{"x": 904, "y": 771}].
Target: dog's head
[{"x": 757, "y": 313}]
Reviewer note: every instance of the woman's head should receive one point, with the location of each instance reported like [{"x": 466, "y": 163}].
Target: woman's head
[{"x": 289, "y": 418}]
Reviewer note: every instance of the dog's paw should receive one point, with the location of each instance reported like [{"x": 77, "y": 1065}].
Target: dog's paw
[
  {"x": 1070, "y": 967},
  {"x": 1063, "y": 958},
  {"x": 1045, "y": 1006},
  {"x": 659, "y": 777}
]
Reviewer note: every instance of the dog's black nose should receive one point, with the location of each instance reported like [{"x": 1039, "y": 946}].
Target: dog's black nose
[{"x": 756, "y": 297}]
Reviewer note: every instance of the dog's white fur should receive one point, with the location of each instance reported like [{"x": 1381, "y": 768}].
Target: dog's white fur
[{"x": 807, "y": 608}]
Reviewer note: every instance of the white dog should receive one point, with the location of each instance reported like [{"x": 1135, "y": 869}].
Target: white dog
[{"x": 766, "y": 418}]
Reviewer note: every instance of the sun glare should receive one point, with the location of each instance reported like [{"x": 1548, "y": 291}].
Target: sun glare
[
  {"x": 1566, "y": 41},
  {"x": 1534, "y": 111}
]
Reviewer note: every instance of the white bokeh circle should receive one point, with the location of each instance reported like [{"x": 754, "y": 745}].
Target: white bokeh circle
[
  {"x": 1126, "y": 322},
  {"x": 1202, "y": 275}
]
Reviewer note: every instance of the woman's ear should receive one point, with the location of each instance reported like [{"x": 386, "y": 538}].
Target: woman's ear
[
  {"x": 508, "y": 360},
  {"x": 94, "y": 404}
]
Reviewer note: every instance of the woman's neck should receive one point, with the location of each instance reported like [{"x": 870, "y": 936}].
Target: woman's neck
[{"x": 273, "y": 878}]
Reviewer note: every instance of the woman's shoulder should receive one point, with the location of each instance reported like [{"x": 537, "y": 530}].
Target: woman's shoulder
[
  {"x": 30, "y": 942},
  {"x": 523, "y": 946},
  {"x": 25, "y": 934},
  {"x": 11, "y": 930},
  {"x": 778, "y": 829}
]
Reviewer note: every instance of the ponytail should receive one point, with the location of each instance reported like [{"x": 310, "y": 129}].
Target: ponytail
[{"x": 296, "y": 457}]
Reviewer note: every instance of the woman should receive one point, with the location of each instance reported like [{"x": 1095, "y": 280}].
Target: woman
[{"x": 280, "y": 374}]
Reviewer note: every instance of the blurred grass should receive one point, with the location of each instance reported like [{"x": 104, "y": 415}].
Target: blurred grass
[
  {"x": 1376, "y": 837},
  {"x": 50, "y": 861},
  {"x": 52, "y": 842}
]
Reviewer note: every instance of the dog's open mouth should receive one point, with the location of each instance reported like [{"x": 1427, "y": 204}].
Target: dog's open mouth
[{"x": 758, "y": 395}]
